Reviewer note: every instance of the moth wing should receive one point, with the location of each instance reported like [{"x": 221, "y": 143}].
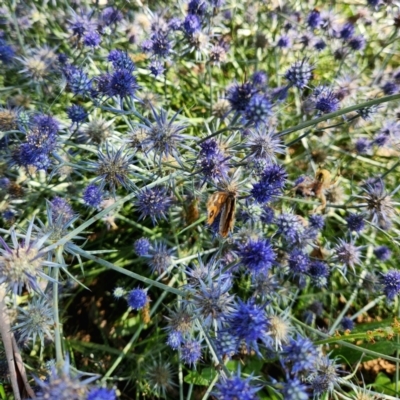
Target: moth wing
[
  {"x": 214, "y": 205},
  {"x": 227, "y": 220}
]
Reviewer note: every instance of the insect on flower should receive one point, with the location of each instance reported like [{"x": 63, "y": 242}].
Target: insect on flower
[
  {"x": 316, "y": 187},
  {"x": 221, "y": 207}
]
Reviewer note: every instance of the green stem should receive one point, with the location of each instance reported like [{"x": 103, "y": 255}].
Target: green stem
[{"x": 57, "y": 326}]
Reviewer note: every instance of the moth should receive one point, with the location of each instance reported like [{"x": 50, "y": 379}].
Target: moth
[{"x": 223, "y": 204}]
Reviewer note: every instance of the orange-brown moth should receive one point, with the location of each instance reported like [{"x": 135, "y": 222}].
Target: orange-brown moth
[{"x": 223, "y": 203}]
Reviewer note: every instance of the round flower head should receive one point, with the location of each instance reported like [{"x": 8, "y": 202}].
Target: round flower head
[
  {"x": 356, "y": 43},
  {"x": 142, "y": 247},
  {"x": 290, "y": 227},
  {"x": 22, "y": 266},
  {"x": 299, "y": 74},
  {"x": 324, "y": 376},
  {"x": 121, "y": 60},
  {"x": 249, "y": 323},
  {"x": 191, "y": 352},
  {"x": 93, "y": 196},
  {"x": 239, "y": 96},
  {"x": 259, "y": 78},
  {"x": 197, "y": 7},
  {"x": 326, "y": 102},
  {"x": 153, "y": 203},
  {"x": 76, "y": 114},
  {"x": 77, "y": 80},
  {"x": 382, "y": 253},
  {"x": 213, "y": 163},
  {"x": 111, "y": 15},
  {"x": 298, "y": 262},
  {"x": 294, "y": 389},
  {"x": 347, "y": 31},
  {"x": 362, "y": 145},
  {"x": 271, "y": 183},
  {"x": 174, "y": 340},
  {"x": 191, "y": 24},
  {"x": 355, "y": 222},
  {"x": 391, "y": 284},
  {"x": 61, "y": 210},
  {"x": 258, "y": 110},
  {"x": 257, "y": 256},
  {"x": 236, "y": 388},
  {"x": 319, "y": 273},
  {"x": 121, "y": 83},
  {"x": 101, "y": 394},
  {"x": 92, "y": 39},
  {"x": 390, "y": 88},
  {"x": 314, "y": 19},
  {"x": 6, "y": 52},
  {"x": 137, "y": 299},
  {"x": 347, "y": 324},
  {"x": 160, "y": 257},
  {"x": 156, "y": 68},
  {"x": 299, "y": 356}
]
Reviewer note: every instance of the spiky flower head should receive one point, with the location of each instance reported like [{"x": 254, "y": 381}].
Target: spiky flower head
[
  {"x": 112, "y": 169},
  {"x": 257, "y": 256},
  {"x": 63, "y": 384},
  {"x": 263, "y": 144},
  {"x": 101, "y": 394},
  {"x": 300, "y": 73},
  {"x": 142, "y": 247},
  {"x": 382, "y": 253},
  {"x": 294, "y": 389},
  {"x": 258, "y": 110},
  {"x": 154, "y": 203},
  {"x": 163, "y": 136},
  {"x": 160, "y": 257},
  {"x": 347, "y": 253},
  {"x": 271, "y": 183},
  {"x": 212, "y": 161},
  {"x": 137, "y": 298},
  {"x": 180, "y": 320},
  {"x": 299, "y": 355},
  {"x": 93, "y": 196},
  {"x": 211, "y": 300},
  {"x": 160, "y": 376},
  {"x": 236, "y": 388},
  {"x": 22, "y": 266},
  {"x": 35, "y": 320},
  {"x": 249, "y": 323},
  {"x": 324, "y": 376},
  {"x": 191, "y": 352},
  {"x": 391, "y": 284},
  {"x": 239, "y": 96},
  {"x": 279, "y": 330}
]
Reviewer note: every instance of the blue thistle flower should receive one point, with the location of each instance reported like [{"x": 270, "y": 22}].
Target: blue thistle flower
[
  {"x": 314, "y": 19},
  {"x": 7, "y": 52},
  {"x": 259, "y": 78},
  {"x": 264, "y": 145},
  {"x": 316, "y": 221},
  {"x": 153, "y": 203},
  {"x": 319, "y": 44},
  {"x": 239, "y": 96},
  {"x": 142, "y": 247},
  {"x": 299, "y": 74},
  {"x": 236, "y": 388},
  {"x": 357, "y": 43},
  {"x": 226, "y": 344},
  {"x": 121, "y": 60},
  {"x": 294, "y": 389},
  {"x": 326, "y": 102},
  {"x": 362, "y": 145},
  {"x": 191, "y": 24},
  {"x": 250, "y": 323},
  {"x": 258, "y": 110},
  {"x": 160, "y": 45},
  {"x": 92, "y": 39},
  {"x": 290, "y": 227},
  {"x": 318, "y": 272},
  {"x": 62, "y": 384},
  {"x": 76, "y": 114},
  {"x": 174, "y": 340},
  {"x": 271, "y": 183},
  {"x": 283, "y": 42},
  {"x": 355, "y": 222},
  {"x": 390, "y": 88},
  {"x": 211, "y": 300},
  {"x": 298, "y": 262},
  {"x": 112, "y": 169},
  {"x": 121, "y": 83},
  {"x": 257, "y": 256},
  {"x": 175, "y": 24},
  {"x": 347, "y": 31},
  {"x": 77, "y": 80},
  {"x": 101, "y": 394},
  {"x": 391, "y": 284},
  {"x": 347, "y": 323},
  {"x": 156, "y": 68},
  {"x": 191, "y": 352},
  {"x": 160, "y": 257},
  {"x": 61, "y": 210},
  {"x": 92, "y": 196},
  {"x": 267, "y": 215},
  {"x": 324, "y": 377},
  {"x": 212, "y": 162},
  {"x": 163, "y": 136},
  {"x": 197, "y": 7},
  {"x": 137, "y": 298},
  {"x": 382, "y": 253},
  {"x": 111, "y": 15},
  {"x": 299, "y": 355}
]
